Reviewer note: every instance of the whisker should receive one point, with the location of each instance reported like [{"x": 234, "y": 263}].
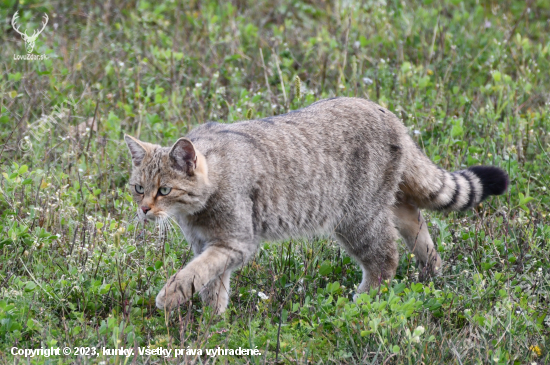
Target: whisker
[
  {"x": 170, "y": 225},
  {"x": 161, "y": 225},
  {"x": 166, "y": 225},
  {"x": 172, "y": 221},
  {"x": 165, "y": 228}
]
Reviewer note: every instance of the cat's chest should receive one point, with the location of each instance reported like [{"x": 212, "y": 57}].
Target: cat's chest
[{"x": 195, "y": 235}]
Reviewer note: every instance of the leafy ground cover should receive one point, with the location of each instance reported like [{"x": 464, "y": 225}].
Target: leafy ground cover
[{"x": 469, "y": 78}]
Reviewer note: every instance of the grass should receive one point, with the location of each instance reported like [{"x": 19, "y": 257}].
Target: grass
[{"x": 469, "y": 78}]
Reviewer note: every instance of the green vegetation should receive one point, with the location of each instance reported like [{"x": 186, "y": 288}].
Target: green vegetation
[{"x": 470, "y": 79}]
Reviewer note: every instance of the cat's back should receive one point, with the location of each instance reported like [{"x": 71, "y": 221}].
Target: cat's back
[{"x": 343, "y": 122}]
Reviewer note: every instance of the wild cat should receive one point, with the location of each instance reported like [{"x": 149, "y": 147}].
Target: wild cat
[{"x": 341, "y": 166}]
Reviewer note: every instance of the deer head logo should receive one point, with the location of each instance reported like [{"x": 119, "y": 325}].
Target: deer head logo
[{"x": 29, "y": 40}]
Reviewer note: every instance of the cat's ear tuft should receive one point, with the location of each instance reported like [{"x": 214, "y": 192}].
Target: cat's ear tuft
[
  {"x": 183, "y": 156},
  {"x": 137, "y": 149}
]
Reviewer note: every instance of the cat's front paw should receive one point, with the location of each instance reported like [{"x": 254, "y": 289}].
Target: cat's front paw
[
  {"x": 163, "y": 301},
  {"x": 173, "y": 294},
  {"x": 178, "y": 290}
]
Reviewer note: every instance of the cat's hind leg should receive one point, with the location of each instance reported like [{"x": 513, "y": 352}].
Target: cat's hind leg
[
  {"x": 412, "y": 227},
  {"x": 372, "y": 242}
]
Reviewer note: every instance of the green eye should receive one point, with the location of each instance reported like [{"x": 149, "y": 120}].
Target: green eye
[
  {"x": 165, "y": 190},
  {"x": 139, "y": 189}
]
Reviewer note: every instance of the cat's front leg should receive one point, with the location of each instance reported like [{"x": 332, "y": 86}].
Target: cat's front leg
[
  {"x": 216, "y": 260},
  {"x": 216, "y": 293},
  {"x": 179, "y": 289}
]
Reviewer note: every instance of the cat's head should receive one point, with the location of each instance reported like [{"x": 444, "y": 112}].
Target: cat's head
[{"x": 167, "y": 181}]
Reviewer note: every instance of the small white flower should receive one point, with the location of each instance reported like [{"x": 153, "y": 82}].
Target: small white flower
[
  {"x": 239, "y": 110},
  {"x": 416, "y": 131},
  {"x": 367, "y": 81},
  {"x": 263, "y": 296},
  {"x": 198, "y": 84},
  {"x": 357, "y": 44}
]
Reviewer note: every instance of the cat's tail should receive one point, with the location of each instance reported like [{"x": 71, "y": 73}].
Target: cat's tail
[{"x": 432, "y": 187}]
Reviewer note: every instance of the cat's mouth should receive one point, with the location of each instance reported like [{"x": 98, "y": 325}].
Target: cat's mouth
[{"x": 149, "y": 219}]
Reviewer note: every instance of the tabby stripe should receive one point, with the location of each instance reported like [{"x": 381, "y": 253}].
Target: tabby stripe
[
  {"x": 435, "y": 194},
  {"x": 472, "y": 193},
  {"x": 229, "y": 248},
  {"x": 455, "y": 195}
]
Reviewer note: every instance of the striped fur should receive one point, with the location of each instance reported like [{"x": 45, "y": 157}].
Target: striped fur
[
  {"x": 431, "y": 187},
  {"x": 342, "y": 166}
]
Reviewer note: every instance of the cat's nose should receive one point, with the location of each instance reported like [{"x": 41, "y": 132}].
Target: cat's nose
[{"x": 145, "y": 209}]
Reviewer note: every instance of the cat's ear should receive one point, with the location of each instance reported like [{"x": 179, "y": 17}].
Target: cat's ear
[
  {"x": 184, "y": 156},
  {"x": 138, "y": 149}
]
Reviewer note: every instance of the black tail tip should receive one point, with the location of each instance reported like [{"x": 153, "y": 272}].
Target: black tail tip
[{"x": 494, "y": 179}]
